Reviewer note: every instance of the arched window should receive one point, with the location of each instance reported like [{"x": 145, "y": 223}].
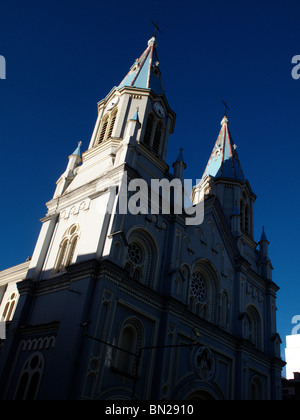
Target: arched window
[
  {"x": 242, "y": 213},
  {"x": 212, "y": 233},
  {"x": 185, "y": 271},
  {"x": 204, "y": 291},
  {"x": 30, "y": 378},
  {"x": 245, "y": 217},
  {"x": 103, "y": 129},
  {"x": 253, "y": 327},
  {"x": 9, "y": 307},
  {"x": 153, "y": 134},
  {"x": 126, "y": 356},
  {"x": 224, "y": 311},
  {"x": 61, "y": 255},
  {"x": 157, "y": 138},
  {"x": 200, "y": 293},
  {"x": 247, "y": 214},
  {"x": 67, "y": 248},
  {"x": 107, "y": 126},
  {"x": 137, "y": 274},
  {"x": 112, "y": 123},
  {"x": 128, "y": 268},
  {"x": 142, "y": 255},
  {"x": 130, "y": 341},
  {"x": 136, "y": 261},
  {"x": 117, "y": 249},
  {"x": 148, "y": 130},
  {"x": 72, "y": 248},
  {"x": 256, "y": 390}
]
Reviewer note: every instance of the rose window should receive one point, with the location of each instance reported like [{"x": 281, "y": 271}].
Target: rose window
[
  {"x": 199, "y": 288},
  {"x": 135, "y": 253}
]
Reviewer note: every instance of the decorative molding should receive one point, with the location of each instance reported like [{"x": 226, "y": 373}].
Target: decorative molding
[
  {"x": 38, "y": 343},
  {"x": 81, "y": 207},
  {"x": 204, "y": 363},
  {"x": 255, "y": 293}
]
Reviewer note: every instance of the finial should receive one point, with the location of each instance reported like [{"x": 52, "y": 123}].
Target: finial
[
  {"x": 79, "y": 143},
  {"x": 224, "y": 120}
]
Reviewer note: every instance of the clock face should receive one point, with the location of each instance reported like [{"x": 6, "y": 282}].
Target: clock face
[
  {"x": 113, "y": 102},
  {"x": 159, "y": 110}
]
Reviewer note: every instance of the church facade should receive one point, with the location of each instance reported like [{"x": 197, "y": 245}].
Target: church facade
[{"x": 121, "y": 302}]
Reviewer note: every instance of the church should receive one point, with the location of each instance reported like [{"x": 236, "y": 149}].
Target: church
[{"x": 125, "y": 299}]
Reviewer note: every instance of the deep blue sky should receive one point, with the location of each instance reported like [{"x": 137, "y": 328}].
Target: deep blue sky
[{"x": 64, "y": 56}]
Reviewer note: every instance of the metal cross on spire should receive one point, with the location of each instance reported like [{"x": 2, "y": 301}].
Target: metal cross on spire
[
  {"x": 156, "y": 28},
  {"x": 226, "y": 107}
]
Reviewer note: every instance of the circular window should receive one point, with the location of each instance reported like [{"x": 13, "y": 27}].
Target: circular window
[
  {"x": 199, "y": 287},
  {"x": 135, "y": 253}
]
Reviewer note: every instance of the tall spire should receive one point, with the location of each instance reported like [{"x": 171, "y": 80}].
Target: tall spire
[
  {"x": 224, "y": 161},
  {"x": 145, "y": 72}
]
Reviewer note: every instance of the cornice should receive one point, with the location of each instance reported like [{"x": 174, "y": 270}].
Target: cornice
[
  {"x": 16, "y": 273},
  {"x": 40, "y": 328}
]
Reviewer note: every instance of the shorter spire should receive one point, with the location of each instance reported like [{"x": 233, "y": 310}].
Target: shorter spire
[
  {"x": 67, "y": 177},
  {"x": 179, "y": 166},
  {"x": 77, "y": 152},
  {"x": 224, "y": 161},
  {"x": 263, "y": 237},
  {"x": 180, "y": 158},
  {"x": 264, "y": 250},
  {"x": 136, "y": 115},
  {"x": 235, "y": 211}
]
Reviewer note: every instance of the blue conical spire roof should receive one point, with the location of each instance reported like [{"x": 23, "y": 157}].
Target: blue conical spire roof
[
  {"x": 263, "y": 237},
  {"x": 224, "y": 161},
  {"x": 136, "y": 116},
  {"x": 180, "y": 159},
  {"x": 77, "y": 152},
  {"x": 145, "y": 72}
]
